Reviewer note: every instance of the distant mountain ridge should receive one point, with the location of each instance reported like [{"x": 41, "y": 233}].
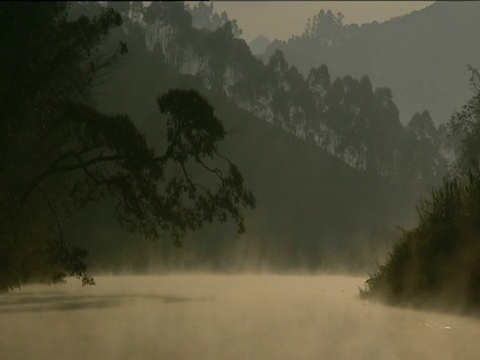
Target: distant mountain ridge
[
  {"x": 421, "y": 56},
  {"x": 259, "y": 45}
]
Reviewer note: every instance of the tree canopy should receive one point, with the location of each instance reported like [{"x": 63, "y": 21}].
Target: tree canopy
[
  {"x": 58, "y": 153},
  {"x": 203, "y": 17}
]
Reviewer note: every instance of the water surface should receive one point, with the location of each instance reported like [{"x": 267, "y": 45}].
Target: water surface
[{"x": 223, "y": 317}]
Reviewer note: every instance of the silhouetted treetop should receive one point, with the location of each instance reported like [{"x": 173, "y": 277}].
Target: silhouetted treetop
[{"x": 204, "y": 17}]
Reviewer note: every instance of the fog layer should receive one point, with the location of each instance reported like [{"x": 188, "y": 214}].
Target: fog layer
[{"x": 223, "y": 317}]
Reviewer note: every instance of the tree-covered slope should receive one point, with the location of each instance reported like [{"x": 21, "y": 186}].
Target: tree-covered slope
[
  {"x": 317, "y": 202},
  {"x": 313, "y": 210},
  {"x": 421, "y": 56}
]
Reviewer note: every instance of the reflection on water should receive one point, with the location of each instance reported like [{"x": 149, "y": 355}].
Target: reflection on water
[
  {"x": 223, "y": 317},
  {"x": 43, "y": 302}
]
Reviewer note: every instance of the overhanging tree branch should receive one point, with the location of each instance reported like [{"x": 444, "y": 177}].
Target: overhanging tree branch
[{"x": 53, "y": 169}]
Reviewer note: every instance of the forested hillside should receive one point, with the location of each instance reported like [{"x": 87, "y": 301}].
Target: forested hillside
[
  {"x": 417, "y": 55},
  {"x": 332, "y": 168},
  {"x": 347, "y": 117}
]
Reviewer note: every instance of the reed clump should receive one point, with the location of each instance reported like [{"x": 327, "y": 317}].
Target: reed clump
[{"x": 438, "y": 262}]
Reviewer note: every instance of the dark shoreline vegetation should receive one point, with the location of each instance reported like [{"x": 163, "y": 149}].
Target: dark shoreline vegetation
[{"x": 437, "y": 264}]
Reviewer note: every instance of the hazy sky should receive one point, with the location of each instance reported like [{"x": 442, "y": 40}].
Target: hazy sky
[{"x": 282, "y": 19}]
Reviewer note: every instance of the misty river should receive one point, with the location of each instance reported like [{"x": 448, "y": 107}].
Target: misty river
[{"x": 223, "y": 317}]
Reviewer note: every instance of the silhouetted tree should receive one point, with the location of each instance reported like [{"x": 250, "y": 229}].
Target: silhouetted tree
[
  {"x": 58, "y": 153},
  {"x": 325, "y": 27},
  {"x": 319, "y": 82}
]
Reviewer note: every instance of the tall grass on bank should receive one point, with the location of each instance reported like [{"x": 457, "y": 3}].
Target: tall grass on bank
[{"x": 438, "y": 262}]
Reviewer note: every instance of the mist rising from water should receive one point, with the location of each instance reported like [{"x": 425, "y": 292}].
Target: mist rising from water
[{"x": 223, "y": 317}]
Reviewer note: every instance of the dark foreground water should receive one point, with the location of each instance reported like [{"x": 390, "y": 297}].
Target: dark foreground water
[{"x": 223, "y": 317}]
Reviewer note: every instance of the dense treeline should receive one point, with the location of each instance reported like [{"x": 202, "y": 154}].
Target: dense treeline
[
  {"x": 438, "y": 262},
  {"x": 324, "y": 30}
]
